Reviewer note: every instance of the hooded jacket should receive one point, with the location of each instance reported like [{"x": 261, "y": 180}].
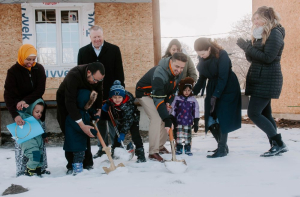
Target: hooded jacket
[
  {"x": 264, "y": 77},
  {"x": 161, "y": 85}
]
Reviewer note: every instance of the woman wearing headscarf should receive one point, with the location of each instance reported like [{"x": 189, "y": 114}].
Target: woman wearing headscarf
[
  {"x": 25, "y": 83},
  {"x": 264, "y": 79}
]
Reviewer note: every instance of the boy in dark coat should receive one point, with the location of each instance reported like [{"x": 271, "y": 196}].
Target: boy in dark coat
[
  {"x": 75, "y": 138},
  {"x": 126, "y": 117}
]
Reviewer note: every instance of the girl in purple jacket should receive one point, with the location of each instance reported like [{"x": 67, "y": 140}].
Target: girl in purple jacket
[{"x": 185, "y": 110}]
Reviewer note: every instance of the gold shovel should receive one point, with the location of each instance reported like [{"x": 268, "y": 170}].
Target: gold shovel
[
  {"x": 172, "y": 141},
  {"x": 108, "y": 153}
]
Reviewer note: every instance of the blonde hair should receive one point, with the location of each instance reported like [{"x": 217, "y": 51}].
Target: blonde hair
[
  {"x": 270, "y": 18},
  {"x": 95, "y": 28}
]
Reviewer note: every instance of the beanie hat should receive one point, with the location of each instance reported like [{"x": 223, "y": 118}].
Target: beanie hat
[
  {"x": 117, "y": 89},
  {"x": 184, "y": 83}
]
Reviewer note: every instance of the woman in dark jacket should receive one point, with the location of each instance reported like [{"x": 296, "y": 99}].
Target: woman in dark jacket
[
  {"x": 223, "y": 94},
  {"x": 264, "y": 78},
  {"x": 25, "y": 83}
]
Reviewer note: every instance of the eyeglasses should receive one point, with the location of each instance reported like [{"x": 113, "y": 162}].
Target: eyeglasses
[{"x": 95, "y": 80}]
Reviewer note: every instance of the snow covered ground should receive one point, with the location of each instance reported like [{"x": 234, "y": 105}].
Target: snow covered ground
[{"x": 241, "y": 174}]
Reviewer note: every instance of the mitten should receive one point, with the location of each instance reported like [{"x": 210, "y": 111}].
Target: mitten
[
  {"x": 196, "y": 125},
  {"x": 121, "y": 137},
  {"x": 243, "y": 44},
  {"x": 213, "y": 101}
]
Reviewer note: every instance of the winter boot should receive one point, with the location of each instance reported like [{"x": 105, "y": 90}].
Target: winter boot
[
  {"x": 30, "y": 172},
  {"x": 69, "y": 171},
  {"x": 187, "y": 150},
  {"x": 77, "y": 168},
  {"x": 215, "y": 131},
  {"x": 221, "y": 151},
  {"x": 179, "y": 149},
  {"x": 139, "y": 152},
  {"x": 99, "y": 154},
  {"x": 278, "y": 146}
]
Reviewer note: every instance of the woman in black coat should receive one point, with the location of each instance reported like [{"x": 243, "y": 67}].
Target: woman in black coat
[
  {"x": 264, "y": 78},
  {"x": 223, "y": 94}
]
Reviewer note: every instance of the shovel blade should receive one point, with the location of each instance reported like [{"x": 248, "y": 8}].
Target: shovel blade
[{"x": 112, "y": 168}]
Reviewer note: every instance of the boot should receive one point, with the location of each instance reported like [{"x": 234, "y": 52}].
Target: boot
[
  {"x": 77, "y": 168},
  {"x": 139, "y": 152},
  {"x": 215, "y": 130},
  {"x": 221, "y": 151},
  {"x": 38, "y": 171},
  {"x": 30, "y": 172},
  {"x": 99, "y": 154},
  {"x": 179, "y": 149},
  {"x": 187, "y": 150},
  {"x": 278, "y": 146},
  {"x": 69, "y": 171}
]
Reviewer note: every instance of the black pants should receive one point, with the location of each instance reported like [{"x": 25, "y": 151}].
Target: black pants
[
  {"x": 260, "y": 112},
  {"x": 135, "y": 135},
  {"x": 88, "y": 157}
]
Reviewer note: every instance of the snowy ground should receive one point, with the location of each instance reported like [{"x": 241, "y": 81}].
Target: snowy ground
[{"x": 242, "y": 173}]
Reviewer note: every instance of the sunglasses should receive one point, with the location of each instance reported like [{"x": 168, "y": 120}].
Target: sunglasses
[{"x": 95, "y": 80}]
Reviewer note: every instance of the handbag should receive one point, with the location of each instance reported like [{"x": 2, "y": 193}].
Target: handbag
[{"x": 29, "y": 130}]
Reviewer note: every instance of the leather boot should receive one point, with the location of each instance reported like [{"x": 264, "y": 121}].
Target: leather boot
[
  {"x": 215, "y": 130},
  {"x": 164, "y": 150},
  {"x": 278, "y": 146},
  {"x": 221, "y": 151},
  {"x": 156, "y": 157}
]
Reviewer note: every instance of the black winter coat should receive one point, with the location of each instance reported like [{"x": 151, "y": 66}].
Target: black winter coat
[
  {"x": 66, "y": 94},
  {"x": 22, "y": 84},
  {"x": 110, "y": 57},
  {"x": 125, "y": 114},
  {"x": 264, "y": 78},
  {"x": 223, "y": 84}
]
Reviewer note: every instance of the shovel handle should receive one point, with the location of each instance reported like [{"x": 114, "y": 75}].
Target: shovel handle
[
  {"x": 99, "y": 136},
  {"x": 171, "y": 134}
]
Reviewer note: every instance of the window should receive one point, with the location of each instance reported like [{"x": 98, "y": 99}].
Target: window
[{"x": 57, "y": 36}]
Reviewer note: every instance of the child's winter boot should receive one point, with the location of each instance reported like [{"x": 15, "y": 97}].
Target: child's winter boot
[
  {"x": 77, "y": 168},
  {"x": 139, "y": 152},
  {"x": 187, "y": 150},
  {"x": 179, "y": 149}
]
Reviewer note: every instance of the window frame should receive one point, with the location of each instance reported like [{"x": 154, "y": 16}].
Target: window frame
[{"x": 59, "y": 46}]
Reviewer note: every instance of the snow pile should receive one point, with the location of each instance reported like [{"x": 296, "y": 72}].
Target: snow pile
[
  {"x": 122, "y": 154},
  {"x": 176, "y": 167}
]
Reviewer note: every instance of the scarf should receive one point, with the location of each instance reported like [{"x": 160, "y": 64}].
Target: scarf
[
  {"x": 23, "y": 53},
  {"x": 257, "y": 32}
]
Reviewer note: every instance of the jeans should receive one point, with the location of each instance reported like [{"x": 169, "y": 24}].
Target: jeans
[
  {"x": 212, "y": 121},
  {"x": 260, "y": 112}
]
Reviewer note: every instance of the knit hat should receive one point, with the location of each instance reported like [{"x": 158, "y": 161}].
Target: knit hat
[
  {"x": 117, "y": 89},
  {"x": 184, "y": 83}
]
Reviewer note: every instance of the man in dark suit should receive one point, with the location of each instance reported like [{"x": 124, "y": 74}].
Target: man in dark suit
[{"x": 110, "y": 56}]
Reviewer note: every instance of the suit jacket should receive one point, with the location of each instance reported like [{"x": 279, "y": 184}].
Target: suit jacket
[{"x": 110, "y": 57}]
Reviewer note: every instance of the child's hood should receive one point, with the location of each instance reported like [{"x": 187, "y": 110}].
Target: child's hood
[
  {"x": 30, "y": 108},
  {"x": 85, "y": 99}
]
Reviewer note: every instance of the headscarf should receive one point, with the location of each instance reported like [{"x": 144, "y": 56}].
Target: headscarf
[{"x": 24, "y": 51}]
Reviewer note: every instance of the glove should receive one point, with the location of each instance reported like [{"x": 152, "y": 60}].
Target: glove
[
  {"x": 173, "y": 121},
  {"x": 196, "y": 125},
  {"x": 121, "y": 137},
  {"x": 243, "y": 44},
  {"x": 213, "y": 101}
]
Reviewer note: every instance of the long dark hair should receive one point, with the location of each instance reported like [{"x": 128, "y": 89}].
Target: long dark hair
[
  {"x": 173, "y": 42},
  {"x": 202, "y": 44}
]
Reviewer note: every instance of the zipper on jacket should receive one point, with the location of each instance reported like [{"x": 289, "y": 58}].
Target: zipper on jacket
[{"x": 30, "y": 78}]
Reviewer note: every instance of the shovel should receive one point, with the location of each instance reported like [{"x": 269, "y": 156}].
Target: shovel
[
  {"x": 108, "y": 153},
  {"x": 130, "y": 148},
  {"x": 172, "y": 141}
]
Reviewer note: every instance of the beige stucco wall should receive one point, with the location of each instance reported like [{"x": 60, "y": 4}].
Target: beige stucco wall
[
  {"x": 10, "y": 37},
  {"x": 290, "y": 20},
  {"x": 128, "y": 25}
]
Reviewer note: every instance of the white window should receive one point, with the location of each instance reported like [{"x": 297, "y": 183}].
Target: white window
[
  {"x": 57, "y": 30},
  {"x": 57, "y": 36}
]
